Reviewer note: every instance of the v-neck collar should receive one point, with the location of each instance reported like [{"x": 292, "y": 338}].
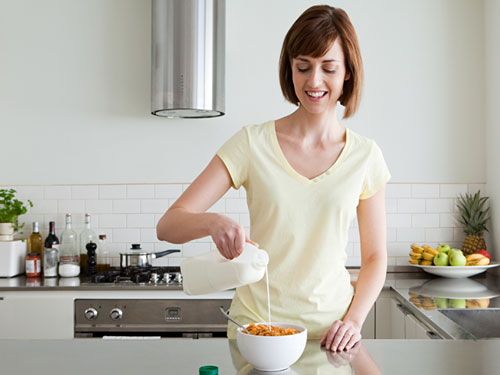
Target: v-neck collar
[{"x": 292, "y": 172}]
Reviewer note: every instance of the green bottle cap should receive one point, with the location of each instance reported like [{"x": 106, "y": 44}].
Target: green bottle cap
[{"x": 209, "y": 370}]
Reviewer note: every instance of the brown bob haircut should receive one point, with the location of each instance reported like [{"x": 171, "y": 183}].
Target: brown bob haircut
[{"x": 312, "y": 34}]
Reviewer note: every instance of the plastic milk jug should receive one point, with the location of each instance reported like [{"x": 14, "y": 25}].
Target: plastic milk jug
[{"x": 211, "y": 272}]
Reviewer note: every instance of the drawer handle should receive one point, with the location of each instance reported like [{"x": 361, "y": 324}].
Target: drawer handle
[{"x": 433, "y": 335}]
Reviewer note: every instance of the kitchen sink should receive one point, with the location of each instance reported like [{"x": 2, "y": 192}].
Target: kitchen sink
[{"x": 482, "y": 323}]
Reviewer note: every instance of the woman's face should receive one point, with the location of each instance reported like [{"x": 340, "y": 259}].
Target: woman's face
[{"x": 318, "y": 81}]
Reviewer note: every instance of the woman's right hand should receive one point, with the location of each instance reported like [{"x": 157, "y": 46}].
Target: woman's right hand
[{"x": 229, "y": 236}]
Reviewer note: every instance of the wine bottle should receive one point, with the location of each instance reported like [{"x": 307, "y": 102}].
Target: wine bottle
[
  {"x": 86, "y": 236},
  {"x": 50, "y": 252},
  {"x": 36, "y": 241}
]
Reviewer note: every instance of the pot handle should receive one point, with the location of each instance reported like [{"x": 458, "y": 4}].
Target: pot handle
[{"x": 165, "y": 252}]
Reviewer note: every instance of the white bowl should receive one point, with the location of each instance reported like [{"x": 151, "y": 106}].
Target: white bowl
[
  {"x": 456, "y": 272},
  {"x": 272, "y": 353}
]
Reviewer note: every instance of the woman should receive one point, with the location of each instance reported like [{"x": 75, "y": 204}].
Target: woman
[{"x": 306, "y": 177}]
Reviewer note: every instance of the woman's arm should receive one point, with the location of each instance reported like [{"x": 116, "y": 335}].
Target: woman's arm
[
  {"x": 187, "y": 220},
  {"x": 372, "y": 231}
]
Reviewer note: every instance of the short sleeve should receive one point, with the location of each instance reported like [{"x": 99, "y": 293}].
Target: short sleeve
[
  {"x": 376, "y": 173},
  {"x": 235, "y": 154}
]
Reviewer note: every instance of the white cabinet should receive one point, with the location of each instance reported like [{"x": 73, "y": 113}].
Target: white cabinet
[
  {"x": 36, "y": 315},
  {"x": 389, "y": 318},
  {"x": 414, "y": 329},
  {"x": 368, "y": 329}
]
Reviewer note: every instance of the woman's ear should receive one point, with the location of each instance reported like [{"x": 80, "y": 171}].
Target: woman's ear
[{"x": 347, "y": 75}]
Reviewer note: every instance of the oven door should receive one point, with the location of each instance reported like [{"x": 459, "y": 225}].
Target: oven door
[{"x": 111, "y": 318}]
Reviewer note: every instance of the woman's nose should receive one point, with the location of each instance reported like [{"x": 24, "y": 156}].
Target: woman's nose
[{"x": 315, "y": 77}]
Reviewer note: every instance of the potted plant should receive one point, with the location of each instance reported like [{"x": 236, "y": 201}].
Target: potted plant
[{"x": 10, "y": 210}]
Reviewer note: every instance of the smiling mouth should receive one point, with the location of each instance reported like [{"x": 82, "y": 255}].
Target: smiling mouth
[{"x": 316, "y": 94}]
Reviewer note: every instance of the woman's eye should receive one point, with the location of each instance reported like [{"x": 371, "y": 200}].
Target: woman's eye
[
  {"x": 302, "y": 70},
  {"x": 330, "y": 71}
]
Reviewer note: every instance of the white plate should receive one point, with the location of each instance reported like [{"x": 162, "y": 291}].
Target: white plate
[
  {"x": 455, "y": 288},
  {"x": 456, "y": 272}
]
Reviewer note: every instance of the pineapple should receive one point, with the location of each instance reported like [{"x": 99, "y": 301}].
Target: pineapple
[{"x": 473, "y": 218}]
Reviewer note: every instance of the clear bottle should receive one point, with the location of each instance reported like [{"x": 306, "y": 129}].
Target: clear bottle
[
  {"x": 103, "y": 260},
  {"x": 86, "y": 236},
  {"x": 211, "y": 272},
  {"x": 69, "y": 257}
]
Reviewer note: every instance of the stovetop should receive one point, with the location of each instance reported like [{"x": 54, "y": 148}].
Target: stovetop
[{"x": 162, "y": 276}]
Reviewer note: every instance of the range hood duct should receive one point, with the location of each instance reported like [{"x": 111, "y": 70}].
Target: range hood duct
[{"x": 188, "y": 58}]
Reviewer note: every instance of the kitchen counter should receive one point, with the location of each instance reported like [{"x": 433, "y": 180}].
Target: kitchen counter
[{"x": 185, "y": 356}]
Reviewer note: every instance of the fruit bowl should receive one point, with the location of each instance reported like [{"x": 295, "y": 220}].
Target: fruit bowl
[
  {"x": 455, "y": 272},
  {"x": 448, "y": 288}
]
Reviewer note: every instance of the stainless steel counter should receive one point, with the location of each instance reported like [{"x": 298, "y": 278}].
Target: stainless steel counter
[{"x": 185, "y": 356}]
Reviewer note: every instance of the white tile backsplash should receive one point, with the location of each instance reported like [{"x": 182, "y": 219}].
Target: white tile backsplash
[{"x": 422, "y": 213}]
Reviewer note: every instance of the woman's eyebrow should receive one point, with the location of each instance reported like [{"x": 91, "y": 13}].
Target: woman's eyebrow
[{"x": 324, "y": 61}]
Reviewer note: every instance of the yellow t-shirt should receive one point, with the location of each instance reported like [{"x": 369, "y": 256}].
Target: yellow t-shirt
[{"x": 302, "y": 223}]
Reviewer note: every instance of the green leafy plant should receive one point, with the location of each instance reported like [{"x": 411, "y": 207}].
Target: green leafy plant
[{"x": 11, "y": 208}]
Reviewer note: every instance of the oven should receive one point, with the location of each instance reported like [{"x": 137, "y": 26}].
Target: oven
[{"x": 112, "y": 318}]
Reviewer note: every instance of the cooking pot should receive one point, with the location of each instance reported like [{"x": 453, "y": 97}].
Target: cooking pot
[{"x": 139, "y": 258}]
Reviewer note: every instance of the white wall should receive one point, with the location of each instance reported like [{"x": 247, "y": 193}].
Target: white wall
[
  {"x": 492, "y": 62},
  {"x": 75, "y": 89}
]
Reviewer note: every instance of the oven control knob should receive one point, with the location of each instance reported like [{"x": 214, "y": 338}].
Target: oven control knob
[
  {"x": 116, "y": 314},
  {"x": 91, "y": 313}
]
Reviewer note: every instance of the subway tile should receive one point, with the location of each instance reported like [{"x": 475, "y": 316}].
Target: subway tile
[
  {"x": 193, "y": 249},
  {"x": 71, "y": 206},
  {"x": 174, "y": 262},
  {"x": 398, "y": 220},
  {"x": 231, "y": 193},
  {"x": 140, "y": 191},
  {"x": 458, "y": 235},
  {"x": 126, "y": 235},
  {"x": 85, "y": 192},
  {"x": 353, "y": 261},
  {"x": 185, "y": 186},
  {"x": 115, "y": 248},
  {"x": 398, "y": 191},
  {"x": 410, "y": 235},
  {"x": 411, "y": 205},
  {"x": 392, "y": 234},
  {"x": 164, "y": 245},
  {"x": 349, "y": 249},
  {"x": 45, "y": 206},
  {"x": 448, "y": 220},
  {"x": 425, "y": 191},
  {"x": 424, "y": 220},
  {"x": 439, "y": 234},
  {"x": 57, "y": 192},
  {"x": 154, "y": 206},
  {"x": 391, "y": 261},
  {"x": 219, "y": 206},
  {"x": 126, "y": 206},
  {"x": 29, "y": 192},
  {"x": 398, "y": 249},
  {"x": 172, "y": 191},
  {"x": 149, "y": 235},
  {"x": 244, "y": 219},
  {"x": 473, "y": 188},
  {"x": 112, "y": 191},
  {"x": 236, "y": 205},
  {"x": 452, "y": 190},
  {"x": 99, "y": 206},
  {"x": 391, "y": 205},
  {"x": 140, "y": 220},
  {"x": 440, "y": 205},
  {"x": 243, "y": 192},
  {"x": 113, "y": 220},
  {"x": 354, "y": 235}
]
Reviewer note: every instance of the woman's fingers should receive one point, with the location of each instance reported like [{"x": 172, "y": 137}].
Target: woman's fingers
[{"x": 331, "y": 334}]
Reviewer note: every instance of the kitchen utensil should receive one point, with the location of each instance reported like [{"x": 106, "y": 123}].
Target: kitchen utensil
[
  {"x": 139, "y": 258},
  {"x": 234, "y": 321},
  {"x": 272, "y": 353},
  {"x": 456, "y": 272}
]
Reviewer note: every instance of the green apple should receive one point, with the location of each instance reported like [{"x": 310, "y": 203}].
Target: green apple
[
  {"x": 458, "y": 303},
  {"x": 441, "y": 259},
  {"x": 457, "y": 259},
  {"x": 441, "y": 303},
  {"x": 451, "y": 251},
  {"x": 444, "y": 247}
]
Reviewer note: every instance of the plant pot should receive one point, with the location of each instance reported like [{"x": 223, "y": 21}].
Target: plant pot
[{"x": 6, "y": 232}]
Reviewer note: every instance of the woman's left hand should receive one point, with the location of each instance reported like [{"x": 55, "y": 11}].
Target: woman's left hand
[{"x": 341, "y": 335}]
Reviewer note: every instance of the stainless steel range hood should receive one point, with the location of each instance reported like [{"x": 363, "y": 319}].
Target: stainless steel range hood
[{"x": 188, "y": 58}]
